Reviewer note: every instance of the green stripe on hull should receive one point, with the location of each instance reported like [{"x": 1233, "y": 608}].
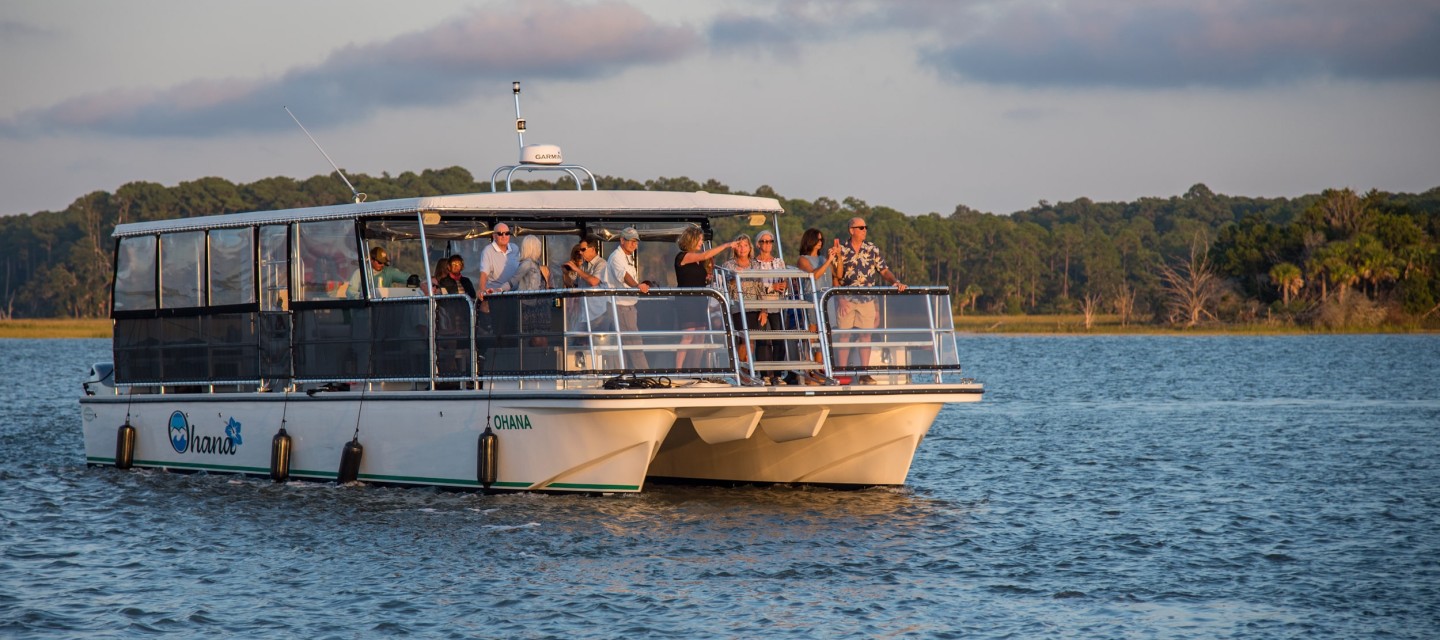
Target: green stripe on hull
[
  {"x": 330, "y": 475},
  {"x": 182, "y": 465}
]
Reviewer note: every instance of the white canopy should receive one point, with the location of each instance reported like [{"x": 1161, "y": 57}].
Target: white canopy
[{"x": 510, "y": 205}]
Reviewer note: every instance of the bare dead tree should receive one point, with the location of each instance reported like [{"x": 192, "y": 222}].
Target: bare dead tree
[
  {"x": 1190, "y": 285},
  {"x": 1089, "y": 306},
  {"x": 1123, "y": 302}
]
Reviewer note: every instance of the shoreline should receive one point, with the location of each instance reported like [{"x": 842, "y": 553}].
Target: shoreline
[
  {"x": 1109, "y": 325},
  {"x": 1043, "y": 325}
]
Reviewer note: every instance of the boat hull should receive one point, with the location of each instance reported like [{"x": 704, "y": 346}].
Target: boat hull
[
  {"x": 865, "y": 446},
  {"x": 561, "y": 440},
  {"x": 430, "y": 441}
]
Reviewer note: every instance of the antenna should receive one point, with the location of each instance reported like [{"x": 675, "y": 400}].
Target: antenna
[
  {"x": 359, "y": 197},
  {"x": 519, "y": 121}
]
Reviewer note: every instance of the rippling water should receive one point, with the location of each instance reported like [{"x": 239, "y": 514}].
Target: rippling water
[{"x": 1191, "y": 487}]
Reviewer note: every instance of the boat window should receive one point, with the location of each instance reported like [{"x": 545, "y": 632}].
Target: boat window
[
  {"x": 274, "y": 268},
  {"x": 232, "y": 266},
  {"x": 135, "y": 274},
  {"x": 181, "y": 257},
  {"x": 400, "y": 240},
  {"x": 329, "y": 262}
]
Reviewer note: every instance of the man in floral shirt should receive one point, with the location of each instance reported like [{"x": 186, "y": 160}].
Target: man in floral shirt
[{"x": 861, "y": 265}]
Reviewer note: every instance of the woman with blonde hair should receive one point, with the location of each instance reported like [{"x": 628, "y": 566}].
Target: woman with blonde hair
[
  {"x": 533, "y": 275},
  {"x": 742, "y": 259},
  {"x": 692, "y": 269}
]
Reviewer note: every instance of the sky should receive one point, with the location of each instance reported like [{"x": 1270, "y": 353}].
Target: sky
[{"x": 918, "y": 105}]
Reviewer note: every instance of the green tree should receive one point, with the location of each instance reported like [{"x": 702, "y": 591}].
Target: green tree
[{"x": 1288, "y": 279}]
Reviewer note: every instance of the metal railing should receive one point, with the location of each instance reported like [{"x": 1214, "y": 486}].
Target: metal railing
[
  {"x": 788, "y": 337},
  {"x": 907, "y": 331}
]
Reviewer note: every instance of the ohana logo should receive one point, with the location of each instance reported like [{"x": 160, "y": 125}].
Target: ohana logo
[
  {"x": 183, "y": 438},
  {"x": 504, "y": 421}
]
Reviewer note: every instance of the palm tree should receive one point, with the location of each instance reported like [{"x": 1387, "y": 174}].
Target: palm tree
[
  {"x": 1288, "y": 279},
  {"x": 969, "y": 296}
]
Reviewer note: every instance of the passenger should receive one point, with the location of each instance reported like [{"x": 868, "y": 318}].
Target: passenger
[
  {"x": 449, "y": 278},
  {"x": 821, "y": 270},
  {"x": 585, "y": 267},
  {"x": 531, "y": 275},
  {"x": 451, "y": 316},
  {"x": 860, "y": 265},
  {"x": 442, "y": 269},
  {"x": 498, "y": 261},
  {"x": 766, "y": 260},
  {"x": 382, "y": 274},
  {"x": 751, "y": 289},
  {"x": 692, "y": 270},
  {"x": 585, "y": 270},
  {"x": 622, "y": 273}
]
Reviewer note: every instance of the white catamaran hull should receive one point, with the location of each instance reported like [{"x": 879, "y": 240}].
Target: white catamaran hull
[
  {"x": 597, "y": 440},
  {"x": 420, "y": 440}
]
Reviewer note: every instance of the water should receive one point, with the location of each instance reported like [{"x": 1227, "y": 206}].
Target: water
[{"x": 1191, "y": 487}]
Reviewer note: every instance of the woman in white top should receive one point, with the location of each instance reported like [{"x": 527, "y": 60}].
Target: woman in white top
[{"x": 765, "y": 260}]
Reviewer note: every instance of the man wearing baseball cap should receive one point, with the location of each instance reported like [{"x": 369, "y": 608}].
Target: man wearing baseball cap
[
  {"x": 384, "y": 275},
  {"x": 621, "y": 273}
]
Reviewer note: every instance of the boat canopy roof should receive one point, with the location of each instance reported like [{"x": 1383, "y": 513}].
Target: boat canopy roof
[{"x": 509, "y": 205}]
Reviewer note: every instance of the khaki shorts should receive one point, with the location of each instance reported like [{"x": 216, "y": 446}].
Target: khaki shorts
[{"x": 856, "y": 315}]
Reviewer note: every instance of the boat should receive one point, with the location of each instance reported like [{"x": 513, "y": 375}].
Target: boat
[{"x": 259, "y": 344}]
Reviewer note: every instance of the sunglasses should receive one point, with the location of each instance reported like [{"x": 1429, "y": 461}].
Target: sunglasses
[
  {"x": 502, "y": 233},
  {"x": 765, "y": 241},
  {"x": 861, "y": 227}
]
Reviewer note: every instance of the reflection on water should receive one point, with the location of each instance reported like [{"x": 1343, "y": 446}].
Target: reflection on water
[{"x": 1106, "y": 487}]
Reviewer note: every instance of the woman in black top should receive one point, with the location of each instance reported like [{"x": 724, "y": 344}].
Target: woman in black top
[{"x": 692, "y": 269}]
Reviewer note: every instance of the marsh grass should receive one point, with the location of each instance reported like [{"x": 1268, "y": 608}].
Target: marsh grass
[{"x": 55, "y": 328}]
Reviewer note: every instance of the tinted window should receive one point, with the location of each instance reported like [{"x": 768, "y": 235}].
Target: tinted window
[
  {"x": 232, "y": 266},
  {"x": 135, "y": 274},
  {"x": 181, "y": 256},
  {"x": 328, "y": 260}
]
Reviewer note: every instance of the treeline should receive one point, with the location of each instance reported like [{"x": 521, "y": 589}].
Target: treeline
[{"x": 1335, "y": 259}]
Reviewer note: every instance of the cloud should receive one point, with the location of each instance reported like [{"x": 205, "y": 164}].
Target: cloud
[
  {"x": 784, "y": 27},
  {"x": 1192, "y": 43},
  {"x": 445, "y": 64},
  {"x": 15, "y": 30},
  {"x": 1157, "y": 44}
]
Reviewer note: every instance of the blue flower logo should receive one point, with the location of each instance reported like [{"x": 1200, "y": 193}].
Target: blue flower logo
[
  {"x": 232, "y": 431},
  {"x": 179, "y": 432}
]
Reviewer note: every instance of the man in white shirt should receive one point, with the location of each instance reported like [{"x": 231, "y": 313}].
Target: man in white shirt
[
  {"x": 498, "y": 261},
  {"x": 586, "y": 270},
  {"x": 621, "y": 273}
]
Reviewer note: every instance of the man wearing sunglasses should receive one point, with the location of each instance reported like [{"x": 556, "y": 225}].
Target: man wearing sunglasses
[
  {"x": 860, "y": 265},
  {"x": 499, "y": 261}
]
